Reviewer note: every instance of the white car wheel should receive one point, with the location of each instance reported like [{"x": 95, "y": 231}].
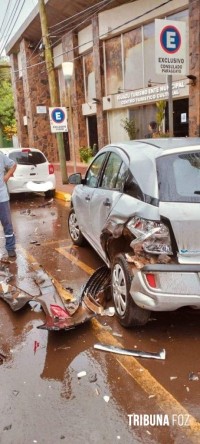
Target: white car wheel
[
  {"x": 128, "y": 313},
  {"x": 74, "y": 230}
]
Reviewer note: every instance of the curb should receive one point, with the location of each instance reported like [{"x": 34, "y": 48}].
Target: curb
[{"x": 63, "y": 196}]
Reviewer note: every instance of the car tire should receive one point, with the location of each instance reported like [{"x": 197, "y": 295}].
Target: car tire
[
  {"x": 128, "y": 313},
  {"x": 50, "y": 193},
  {"x": 74, "y": 231}
]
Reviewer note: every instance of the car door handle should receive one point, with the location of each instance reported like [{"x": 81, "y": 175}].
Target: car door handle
[
  {"x": 107, "y": 203},
  {"x": 87, "y": 198}
]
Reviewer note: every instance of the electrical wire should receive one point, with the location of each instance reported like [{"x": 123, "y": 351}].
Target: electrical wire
[
  {"x": 97, "y": 7},
  {"x": 78, "y": 14},
  {"x": 4, "y": 17},
  {"x": 100, "y": 36},
  {"x": 8, "y": 35}
]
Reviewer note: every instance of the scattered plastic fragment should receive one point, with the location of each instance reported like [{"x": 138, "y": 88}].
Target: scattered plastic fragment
[
  {"x": 36, "y": 345},
  {"x": 2, "y": 357},
  {"x": 106, "y": 398},
  {"x": 117, "y": 334},
  {"x": 15, "y": 392},
  {"x": 93, "y": 378},
  {"x": 110, "y": 311},
  {"x": 8, "y": 427},
  {"x": 193, "y": 377},
  {"x": 138, "y": 353},
  {"x": 173, "y": 377},
  {"x": 81, "y": 374}
]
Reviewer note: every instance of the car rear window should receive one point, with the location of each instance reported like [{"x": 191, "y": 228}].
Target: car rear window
[
  {"x": 179, "y": 177},
  {"x": 27, "y": 157}
]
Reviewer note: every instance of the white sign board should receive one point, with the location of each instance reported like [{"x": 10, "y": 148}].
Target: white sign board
[
  {"x": 170, "y": 47},
  {"x": 41, "y": 109},
  {"x": 58, "y": 120}
]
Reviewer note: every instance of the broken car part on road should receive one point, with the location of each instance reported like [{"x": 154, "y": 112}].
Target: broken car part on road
[
  {"x": 62, "y": 311},
  {"x": 138, "y": 353},
  {"x": 61, "y": 314}
]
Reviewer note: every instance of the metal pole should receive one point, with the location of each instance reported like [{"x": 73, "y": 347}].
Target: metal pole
[
  {"x": 70, "y": 120},
  {"x": 170, "y": 106}
]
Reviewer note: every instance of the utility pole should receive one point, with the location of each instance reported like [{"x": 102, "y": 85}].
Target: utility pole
[{"x": 52, "y": 85}]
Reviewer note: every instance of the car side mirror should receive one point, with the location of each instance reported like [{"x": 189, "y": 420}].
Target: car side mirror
[{"x": 75, "y": 179}]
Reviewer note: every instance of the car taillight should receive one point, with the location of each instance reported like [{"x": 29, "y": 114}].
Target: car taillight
[
  {"x": 26, "y": 150},
  {"x": 51, "y": 169},
  {"x": 154, "y": 236},
  {"x": 151, "y": 280}
]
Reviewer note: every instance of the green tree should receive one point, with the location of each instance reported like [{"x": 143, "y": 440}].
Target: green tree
[
  {"x": 7, "y": 111},
  {"x": 130, "y": 127},
  {"x": 161, "y": 105}
]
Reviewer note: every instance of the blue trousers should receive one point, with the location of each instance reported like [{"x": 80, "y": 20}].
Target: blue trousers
[{"x": 5, "y": 218}]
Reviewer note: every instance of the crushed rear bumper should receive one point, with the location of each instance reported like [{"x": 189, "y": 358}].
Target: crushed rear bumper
[{"x": 176, "y": 286}]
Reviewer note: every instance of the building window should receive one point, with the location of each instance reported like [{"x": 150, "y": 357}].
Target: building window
[
  {"x": 133, "y": 62},
  {"x": 89, "y": 77},
  {"x": 113, "y": 61},
  {"x": 149, "y": 55}
]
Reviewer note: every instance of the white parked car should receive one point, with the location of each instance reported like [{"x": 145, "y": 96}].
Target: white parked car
[
  {"x": 33, "y": 172},
  {"x": 139, "y": 208}
]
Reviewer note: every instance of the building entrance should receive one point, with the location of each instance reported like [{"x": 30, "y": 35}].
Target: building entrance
[
  {"x": 92, "y": 131},
  {"x": 180, "y": 117}
]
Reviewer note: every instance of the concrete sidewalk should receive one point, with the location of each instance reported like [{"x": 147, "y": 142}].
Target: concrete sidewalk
[{"x": 64, "y": 192}]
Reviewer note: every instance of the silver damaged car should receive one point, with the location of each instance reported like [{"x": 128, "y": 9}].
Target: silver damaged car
[{"x": 139, "y": 208}]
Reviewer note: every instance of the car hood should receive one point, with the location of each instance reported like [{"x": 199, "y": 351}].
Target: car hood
[{"x": 185, "y": 223}]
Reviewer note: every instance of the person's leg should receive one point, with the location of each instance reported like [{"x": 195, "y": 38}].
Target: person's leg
[{"x": 5, "y": 218}]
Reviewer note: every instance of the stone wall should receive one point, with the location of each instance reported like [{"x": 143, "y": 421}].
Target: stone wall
[
  {"x": 19, "y": 104},
  {"x": 33, "y": 90},
  {"x": 99, "y": 80},
  {"x": 70, "y": 49}
]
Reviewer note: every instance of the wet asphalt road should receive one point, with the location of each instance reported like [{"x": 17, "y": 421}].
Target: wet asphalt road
[{"x": 119, "y": 398}]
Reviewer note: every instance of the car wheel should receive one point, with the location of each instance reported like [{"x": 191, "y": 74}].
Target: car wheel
[
  {"x": 128, "y": 313},
  {"x": 50, "y": 193},
  {"x": 74, "y": 230}
]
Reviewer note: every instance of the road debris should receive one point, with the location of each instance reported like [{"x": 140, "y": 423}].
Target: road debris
[
  {"x": 62, "y": 313},
  {"x": 193, "y": 377},
  {"x": 106, "y": 398},
  {"x": 96, "y": 291},
  {"x": 35, "y": 347},
  {"x": 140, "y": 354},
  {"x": 81, "y": 374},
  {"x": 93, "y": 377},
  {"x": 2, "y": 357}
]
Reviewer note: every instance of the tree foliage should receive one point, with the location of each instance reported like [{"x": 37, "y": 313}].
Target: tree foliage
[
  {"x": 7, "y": 111},
  {"x": 130, "y": 127}
]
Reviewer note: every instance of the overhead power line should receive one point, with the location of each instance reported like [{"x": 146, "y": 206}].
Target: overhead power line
[
  {"x": 4, "y": 17},
  {"x": 102, "y": 35},
  {"x": 12, "y": 27}
]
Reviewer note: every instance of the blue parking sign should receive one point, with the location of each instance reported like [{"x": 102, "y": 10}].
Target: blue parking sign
[
  {"x": 58, "y": 115},
  {"x": 58, "y": 119},
  {"x": 170, "y": 47},
  {"x": 170, "y": 39}
]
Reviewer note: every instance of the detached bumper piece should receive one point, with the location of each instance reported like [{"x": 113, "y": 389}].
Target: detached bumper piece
[
  {"x": 59, "y": 313},
  {"x": 61, "y": 320}
]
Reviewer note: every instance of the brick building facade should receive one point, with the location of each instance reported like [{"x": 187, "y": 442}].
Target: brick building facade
[{"x": 97, "y": 109}]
